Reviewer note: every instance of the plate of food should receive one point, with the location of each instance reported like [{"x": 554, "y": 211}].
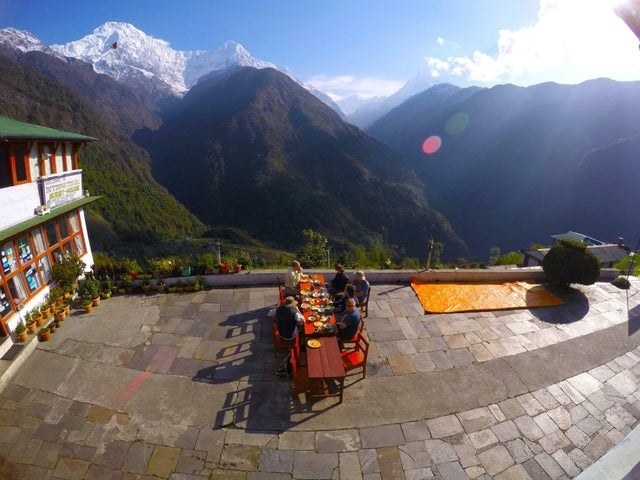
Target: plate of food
[
  {"x": 318, "y": 324},
  {"x": 305, "y": 306},
  {"x": 311, "y": 319},
  {"x": 314, "y": 343}
]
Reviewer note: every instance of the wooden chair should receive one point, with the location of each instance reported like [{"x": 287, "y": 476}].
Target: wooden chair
[
  {"x": 280, "y": 344},
  {"x": 356, "y": 357},
  {"x": 364, "y": 305},
  {"x": 300, "y": 372},
  {"x": 342, "y": 342},
  {"x": 298, "y": 353}
]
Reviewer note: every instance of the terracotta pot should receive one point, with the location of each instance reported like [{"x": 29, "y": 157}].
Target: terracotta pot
[
  {"x": 95, "y": 301},
  {"x": 44, "y": 336},
  {"x": 32, "y": 327}
]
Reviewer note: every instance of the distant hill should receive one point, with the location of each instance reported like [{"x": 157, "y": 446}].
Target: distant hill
[
  {"x": 517, "y": 165},
  {"x": 253, "y": 149},
  {"x": 135, "y": 207}
]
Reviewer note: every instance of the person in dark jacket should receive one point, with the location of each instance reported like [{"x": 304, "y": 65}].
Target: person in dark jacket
[
  {"x": 348, "y": 326},
  {"x": 287, "y": 318},
  {"x": 339, "y": 281}
]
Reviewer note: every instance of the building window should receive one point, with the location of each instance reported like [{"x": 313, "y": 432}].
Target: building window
[
  {"x": 5, "y": 302},
  {"x": 20, "y": 164},
  {"x": 27, "y": 260},
  {"x": 14, "y": 164},
  {"x": 8, "y": 258},
  {"x": 6, "y": 179}
]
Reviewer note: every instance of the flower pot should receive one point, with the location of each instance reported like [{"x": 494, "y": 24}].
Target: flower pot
[
  {"x": 39, "y": 320},
  {"x": 237, "y": 268},
  {"x": 224, "y": 268},
  {"x": 60, "y": 315},
  {"x": 44, "y": 334},
  {"x": 22, "y": 336},
  {"x": 46, "y": 314},
  {"x": 87, "y": 307},
  {"x": 95, "y": 301},
  {"x": 32, "y": 327},
  {"x": 146, "y": 288}
]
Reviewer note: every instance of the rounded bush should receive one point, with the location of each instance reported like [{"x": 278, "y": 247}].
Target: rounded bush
[
  {"x": 570, "y": 262},
  {"x": 622, "y": 282}
]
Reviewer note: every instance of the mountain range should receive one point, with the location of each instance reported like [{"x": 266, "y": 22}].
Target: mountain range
[{"x": 248, "y": 146}]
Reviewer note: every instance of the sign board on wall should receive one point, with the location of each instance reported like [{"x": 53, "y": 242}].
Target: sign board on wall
[{"x": 63, "y": 189}]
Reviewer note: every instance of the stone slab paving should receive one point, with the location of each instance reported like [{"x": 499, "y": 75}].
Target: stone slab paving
[{"x": 182, "y": 387}]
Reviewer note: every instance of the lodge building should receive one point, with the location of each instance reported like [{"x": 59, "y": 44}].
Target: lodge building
[{"x": 42, "y": 203}]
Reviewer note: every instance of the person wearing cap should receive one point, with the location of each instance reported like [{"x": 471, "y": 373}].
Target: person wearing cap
[
  {"x": 292, "y": 279},
  {"x": 287, "y": 317},
  {"x": 362, "y": 286}
]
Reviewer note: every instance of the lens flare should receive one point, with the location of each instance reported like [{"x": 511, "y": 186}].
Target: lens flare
[
  {"x": 457, "y": 123},
  {"x": 432, "y": 144}
]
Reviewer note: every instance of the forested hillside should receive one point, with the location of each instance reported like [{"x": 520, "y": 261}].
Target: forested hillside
[{"x": 135, "y": 207}]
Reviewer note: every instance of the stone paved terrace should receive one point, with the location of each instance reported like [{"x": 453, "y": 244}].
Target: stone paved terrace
[{"x": 182, "y": 387}]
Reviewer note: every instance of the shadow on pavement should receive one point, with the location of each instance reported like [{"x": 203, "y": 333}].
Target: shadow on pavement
[
  {"x": 575, "y": 308},
  {"x": 260, "y": 401}
]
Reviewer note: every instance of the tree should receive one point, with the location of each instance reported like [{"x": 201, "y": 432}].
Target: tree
[
  {"x": 571, "y": 262},
  {"x": 314, "y": 250}
]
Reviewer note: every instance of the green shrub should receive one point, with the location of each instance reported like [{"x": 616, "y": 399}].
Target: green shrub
[
  {"x": 570, "y": 262},
  {"x": 622, "y": 282}
]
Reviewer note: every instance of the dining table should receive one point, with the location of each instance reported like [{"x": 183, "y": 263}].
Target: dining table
[{"x": 325, "y": 367}]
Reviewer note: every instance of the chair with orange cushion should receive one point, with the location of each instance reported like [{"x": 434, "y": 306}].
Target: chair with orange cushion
[
  {"x": 280, "y": 345},
  {"x": 356, "y": 358},
  {"x": 351, "y": 341}
]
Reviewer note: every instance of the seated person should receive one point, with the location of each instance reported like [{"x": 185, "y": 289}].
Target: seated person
[
  {"x": 348, "y": 325},
  {"x": 362, "y": 286},
  {"x": 292, "y": 279},
  {"x": 340, "y": 299},
  {"x": 287, "y": 318},
  {"x": 339, "y": 281}
]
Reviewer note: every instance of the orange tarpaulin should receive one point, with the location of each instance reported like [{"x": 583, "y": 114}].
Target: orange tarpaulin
[{"x": 470, "y": 296}]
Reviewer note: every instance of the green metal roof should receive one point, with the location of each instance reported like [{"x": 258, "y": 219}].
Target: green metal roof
[
  {"x": 11, "y": 129},
  {"x": 35, "y": 221}
]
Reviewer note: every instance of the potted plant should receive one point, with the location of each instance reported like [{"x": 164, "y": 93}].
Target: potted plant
[
  {"x": 160, "y": 285},
  {"x": 56, "y": 294},
  {"x": 60, "y": 314},
  {"x": 21, "y": 332},
  {"x": 106, "y": 287},
  {"x": 87, "y": 304},
  {"x": 36, "y": 314},
  {"x": 66, "y": 272},
  {"x": 44, "y": 334},
  {"x": 146, "y": 286},
  {"x": 30, "y": 322},
  {"x": 199, "y": 283},
  {"x": 45, "y": 310},
  {"x": 224, "y": 266},
  {"x": 90, "y": 288},
  {"x": 127, "y": 283}
]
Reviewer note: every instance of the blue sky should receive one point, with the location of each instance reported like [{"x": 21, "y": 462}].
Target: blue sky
[{"x": 372, "y": 47}]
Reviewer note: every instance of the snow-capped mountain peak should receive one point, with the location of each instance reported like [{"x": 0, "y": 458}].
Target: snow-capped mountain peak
[
  {"x": 21, "y": 40},
  {"x": 127, "y": 54}
]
